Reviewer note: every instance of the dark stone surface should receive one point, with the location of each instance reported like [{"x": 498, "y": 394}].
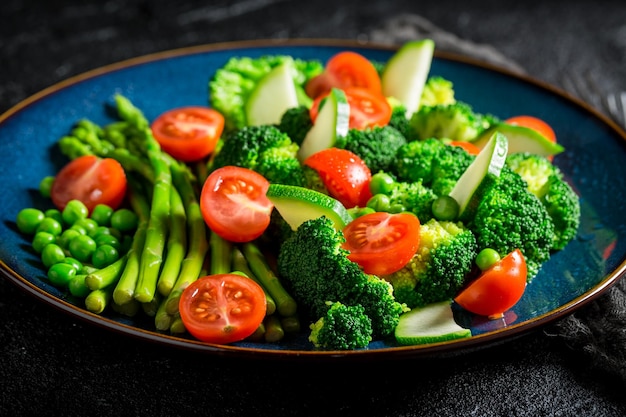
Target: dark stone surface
[{"x": 52, "y": 364}]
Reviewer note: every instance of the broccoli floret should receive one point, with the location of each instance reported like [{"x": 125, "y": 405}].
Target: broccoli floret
[
  {"x": 263, "y": 149},
  {"x": 563, "y": 206},
  {"x": 315, "y": 268},
  {"x": 456, "y": 121},
  {"x": 450, "y": 163},
  {"x": 413, "y": 161},
  {"x": 376, "y": 146},
  {"x": 399, "y": 120},
  {"x": 296, "y": 122},
  {"x": 441, "y": 266},
  {"x": 412, "y": 197},
  {"x": 510, "y": 217},
  {"x": 546, "y": 181},
  {"x": 342, "y": 328},
  {"x": 231, "y": 84},
  {"x": 437, "y": 90}
]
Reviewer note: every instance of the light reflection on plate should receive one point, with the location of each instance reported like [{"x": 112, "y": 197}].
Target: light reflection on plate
[{"x": 594, "y": 162}]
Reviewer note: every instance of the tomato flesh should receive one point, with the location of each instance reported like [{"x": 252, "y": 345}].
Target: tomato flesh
[
  {"x": 382, "y": 243},
  {"x": 188, "y": 133},
  {"x": 497, "y": 289},
  {"x": 533, "y": 123},
  {"x": 92, "y": 180},
  {"x": 345, "y": 175},
  {"x": 343, "y": 70},
  {"x": 367, "y": 108},
  {"x": 222, "y": 308},
  {"x": 234, "y": 204}
]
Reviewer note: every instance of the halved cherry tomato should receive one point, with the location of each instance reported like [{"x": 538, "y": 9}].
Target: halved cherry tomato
[
  {"x": 367, "y": 109},
  {"x": 222, "y": 308},
  {"x": 468, "y": 146},
  {"x": 343, "y": 70},
  {"x": 188, "y": 133},
  {"x": 92, "y": 180},
  {"x": 234, "y": 204},
  {"x": 533, "y": 123},
  {"x": 345, "y": 175},
  {"x": 497, "y": 289},
  {"x": 382, "y": 243}
]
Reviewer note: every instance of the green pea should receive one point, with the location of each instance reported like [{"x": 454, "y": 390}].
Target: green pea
[
  {"x": 50, "y": 225},
  {"x": 60, "y": 274},
  {"x": 74, "y": 210},
  {"x": 88, "y": 224},
  {"x": 78, "y": 228},
  {"x": 55, "y": 214},
  {"x": 78, "y": 287},
  {"x": 45, "y": 185},
  {"x": 66, "y": 237},
  {"x": 28, "y": 220},
  {"x": 124, "y": 220},
  {"x": 487, "y": 258},
  {"x": 445, "y": 208},
  {"x": 82, "y": 247},
  {"x": 356, "y": 212},
  {"x": 379, "y": 202},
  {"x": 52, "y": 254},
  {"x": 110, "y": 240},
  {"x": 74, "y": 262},
  {"x": 381, "y": 183},
  {"x": 41, "y": 239},
  {"x": 102, "y": 214},
  {"x": 396, "y": 208},
  {"x": 104, "y": 255}
]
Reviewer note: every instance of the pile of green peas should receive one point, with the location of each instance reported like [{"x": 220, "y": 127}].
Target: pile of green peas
[{"x": 73, "y": 242}]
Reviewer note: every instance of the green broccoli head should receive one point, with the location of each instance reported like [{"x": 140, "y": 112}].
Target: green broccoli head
[
  {"x": 412, "y": 197},
  {"x": 232, "y": 84},
  {"x": 399, "y": 120},
  {"x": 563, "y": 206},
  {"x": 263, "y": 149},
  {"x": 437, "y": 90},
  {"x": 456, "y": 121},
  {"x": 413, "y": 161},
  {"x": 534, "y": 169},
  {"x": 376, "y": 146},
  {"x": 342, "y": 328},
  {"x": 450, "y": 163},
  {"x": 313, "y": 180},
  {"x": 440, "y": 267},
  {"x": 315, "y": 269},
  {"x": 296, "y": 122},
  {"x": 510, "y": 217}
]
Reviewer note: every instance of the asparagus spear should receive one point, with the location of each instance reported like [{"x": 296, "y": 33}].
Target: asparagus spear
[
  {"x": 176, "y": 244},
  {"x": 241, "y": 265}
]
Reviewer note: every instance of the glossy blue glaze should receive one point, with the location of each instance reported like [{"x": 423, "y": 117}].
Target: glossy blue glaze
[{"x": 594, "y": 163}]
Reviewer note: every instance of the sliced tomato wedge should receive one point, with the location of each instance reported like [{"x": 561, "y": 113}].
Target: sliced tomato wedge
[
  {"x": 222, "y": 308},
  {"x": 188, "y": 133},
  {"x": 497, "y": 289},
  {"x": 345, "y": 175},
  {"x": 468, "y": 146},
  {"x": 367, "y": 109},
  {"x": 534, "y": 123},
  {"x": 343, "y": 70},
  {"x": 234, "y": 204},
  {"x": 382, "y": 243},
  {"x": 92, "y": 180}
]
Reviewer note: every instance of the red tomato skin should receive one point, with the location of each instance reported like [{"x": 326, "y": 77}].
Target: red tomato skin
[
  {"x": 468, "y": 146},
  {"x": 497, "y": 289},
  {"x": 382, "y": 243},
  {"x": 188, "y": 133},
  {"x": 234, "y": 205},
  {"x": 345, "y": 69},
  {"x": 208, "y": 308},
  {"x": 534, "y": 123},
  {"x": 92, "y": 180},
  {"x": 367, "y": 109},
  {"x": 345, "y": 175}
]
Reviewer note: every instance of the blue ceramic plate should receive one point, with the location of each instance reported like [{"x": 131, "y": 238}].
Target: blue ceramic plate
[{"x": 594, "y": 163}]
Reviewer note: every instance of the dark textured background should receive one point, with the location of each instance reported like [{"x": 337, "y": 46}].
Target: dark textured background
[{"x": 52, "y": 364}]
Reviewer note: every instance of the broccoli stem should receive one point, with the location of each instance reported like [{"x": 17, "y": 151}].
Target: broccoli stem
[
  {"x": 106, "y": 276},
  {"x": 241, "y": 265},
  {"x": 285, "y": 303},
  {"x": 273, "y": 329},
  {"x": 176, "y": 244},
  {"x": 97, "y": 300}
]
